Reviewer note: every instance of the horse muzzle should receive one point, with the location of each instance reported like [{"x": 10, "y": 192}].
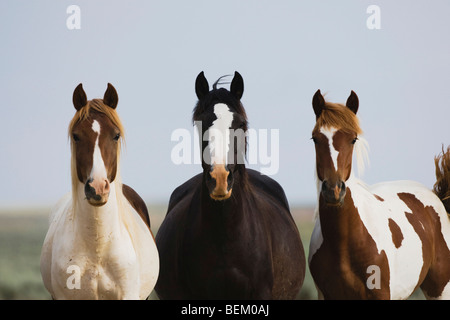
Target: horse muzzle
[
  {"x": 97, "y": 191},
  {"x": 220, "y": 182},
  {"x": 333, "y": 193}
]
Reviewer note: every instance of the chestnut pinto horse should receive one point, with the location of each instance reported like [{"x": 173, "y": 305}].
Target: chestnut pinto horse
[
  {"x": 228, "y": 232},
  {"x": 99, "y": 244},
  {"x": 372, "y": 242}
]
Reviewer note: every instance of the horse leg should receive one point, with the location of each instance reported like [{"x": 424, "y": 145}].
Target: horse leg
[
  {"x": 436, "y": 284},
  {"x": 445, "y": 294}
]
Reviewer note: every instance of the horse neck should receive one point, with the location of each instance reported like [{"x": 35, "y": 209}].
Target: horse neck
[
  {"x": 230, "y": 209},
  {"x": 95, "y": 225},
  {"x": 338, "y": 222}
]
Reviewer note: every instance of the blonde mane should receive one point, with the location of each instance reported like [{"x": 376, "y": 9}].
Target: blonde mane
[
  {"x": 338, "y": 116},
  {"x": 98, "y": 106}
]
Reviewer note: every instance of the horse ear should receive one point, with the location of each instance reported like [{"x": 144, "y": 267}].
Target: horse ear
[
  {"x": 201, "y": 86},
  {"x": 111, "y": 98},
  {"x": 79, "y": 97},
  {"x": 318, "y": 103},
  {"x": 353, "y": 102},
  {"x": 237, "y": 85}
]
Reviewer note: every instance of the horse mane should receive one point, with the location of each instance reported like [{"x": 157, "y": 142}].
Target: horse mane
[
  {"x": 219, "y": 95},
  {"x": 95, "y": 105},
  {"x": 218, "y": 81},
  {"x": 339, "y": 116},
  {"x": 442, "y": 186}
]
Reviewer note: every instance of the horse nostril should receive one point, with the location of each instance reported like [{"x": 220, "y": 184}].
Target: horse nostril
[
  {"x": 230, "y": 180},
  {"x": 334, "y": 192},
  {"x": 324, "y": 185},
  {"x": 107, "y": 186},
  {"x": 89, "y": 191}
]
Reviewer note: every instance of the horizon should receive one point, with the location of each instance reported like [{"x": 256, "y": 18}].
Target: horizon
[{"x": 391, "y": 54}]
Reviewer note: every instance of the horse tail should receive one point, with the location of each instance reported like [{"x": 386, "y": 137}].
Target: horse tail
[{"x": 442, "y": 186}]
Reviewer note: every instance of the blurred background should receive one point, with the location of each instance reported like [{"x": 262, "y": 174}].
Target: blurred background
[{"x": 152, "y": 51}]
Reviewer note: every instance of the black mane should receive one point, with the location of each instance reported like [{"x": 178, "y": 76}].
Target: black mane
[{"x": 218, "y": 95}]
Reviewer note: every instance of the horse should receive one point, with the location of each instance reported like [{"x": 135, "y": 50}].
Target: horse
[
  {"x": 99, "y": 244},
  {"x": 228, "y": 232},
  {"x": 371, "y": 242}
]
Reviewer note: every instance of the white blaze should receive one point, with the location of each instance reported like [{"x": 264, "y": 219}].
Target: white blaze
[
  {"x": 98, "y": 166},
  {"x": 219, "y": 134},
  {"x": 329, "y": 133}
]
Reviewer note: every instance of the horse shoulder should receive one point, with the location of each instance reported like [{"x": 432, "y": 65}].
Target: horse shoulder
[
  {"x": 268, "y": 186},
  {"x": 177, "y": 211},
  {"x": 170, "y": 237},
  {"x": 137, "y": 203},
  {"x": 184, "y": 190},
  {"x": 58, "y": 216},
  {"x": 54, "y": 239},
  {"x": 144, "y": 246},
  {"x": 287, "y": 253}
]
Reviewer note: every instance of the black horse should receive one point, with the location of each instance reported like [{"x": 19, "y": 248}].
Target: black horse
[{"x": 228, "y": 232}]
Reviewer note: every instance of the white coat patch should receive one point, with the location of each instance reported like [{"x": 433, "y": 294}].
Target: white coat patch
[
  {"x": 98, "y": 165},
  {"x": 219, "y": 134},
  {"x": 329, "y": 133}
]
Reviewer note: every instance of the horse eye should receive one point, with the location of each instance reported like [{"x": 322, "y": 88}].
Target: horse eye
[
  {"x": 117, "y": 137},
  {"x": 354, "y": 140},
  {"x": 75, "y": 137},
  {"x": 314, "y": 140}
]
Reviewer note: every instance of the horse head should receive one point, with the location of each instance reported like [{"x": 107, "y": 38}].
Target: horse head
[
  {"x": 222, "y": 124},
  {"x": 95, "y": 133},
  {"x": 335, "y": 134}
]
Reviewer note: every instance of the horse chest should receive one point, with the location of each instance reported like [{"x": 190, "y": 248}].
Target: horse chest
[
  {"x": 225, "y": 265},
  {"x": 82, "y": 272},
  {"x": 222, "y": 251}
]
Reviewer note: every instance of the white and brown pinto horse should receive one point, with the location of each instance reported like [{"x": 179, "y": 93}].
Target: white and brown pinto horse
[
  {"x": 99, "y": 244},
  {"x": 372, "y": 242}
]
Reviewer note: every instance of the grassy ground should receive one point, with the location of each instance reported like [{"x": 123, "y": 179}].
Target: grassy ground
[
  {"x": 22, "y": 234},
  {"x": 21, "y": 237}
]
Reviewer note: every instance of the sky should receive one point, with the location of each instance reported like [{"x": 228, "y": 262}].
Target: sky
[{"x": 152, "y": 52}]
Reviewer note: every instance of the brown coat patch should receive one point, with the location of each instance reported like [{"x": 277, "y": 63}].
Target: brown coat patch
[
  {"x": 397, "y": 235},
  {"x": 426, "y": 222},
  {"x": 137, "y": 203},
  {"x": 339, "y": 267}
]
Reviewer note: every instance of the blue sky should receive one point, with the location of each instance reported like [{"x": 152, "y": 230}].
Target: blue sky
[{"x": 152, "y": 51}]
